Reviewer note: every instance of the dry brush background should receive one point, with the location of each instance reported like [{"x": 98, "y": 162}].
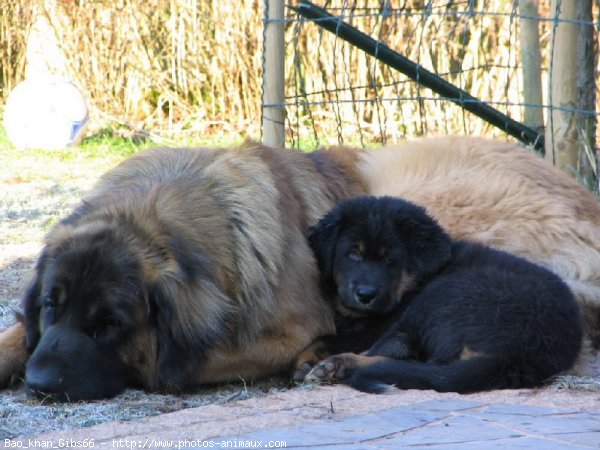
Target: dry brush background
[{"x": 195, "y": 66}]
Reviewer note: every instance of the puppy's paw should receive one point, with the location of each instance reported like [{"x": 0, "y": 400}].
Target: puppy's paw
[
  {"x": 301, "y": 371},
  {"x": 334, "y": 368},
  {"x": 307, "y": 359}
]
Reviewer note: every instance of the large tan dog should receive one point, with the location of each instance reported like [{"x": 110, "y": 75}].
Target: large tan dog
[
  {"x": 190, "y": 266},
  {"x": 182, "y": 267}
]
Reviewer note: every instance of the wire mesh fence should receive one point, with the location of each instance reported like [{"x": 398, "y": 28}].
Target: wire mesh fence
[
  {"x": 336, "y": 93},
  {"x": 195, "y": 68}
]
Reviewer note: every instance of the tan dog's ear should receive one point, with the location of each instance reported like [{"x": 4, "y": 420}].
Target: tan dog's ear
[
  {"x": 31, "y": 304},
  {"x": 190, "y": 318}
]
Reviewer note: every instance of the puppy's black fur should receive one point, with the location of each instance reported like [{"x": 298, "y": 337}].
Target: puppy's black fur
[{"x": 437, "y": 313}]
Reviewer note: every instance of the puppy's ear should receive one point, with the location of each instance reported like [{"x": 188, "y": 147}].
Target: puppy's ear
[
  {"x": 429, "y": 246},
  {"x": 190, "y": 318},
  {"x": 323, "y": 237}
]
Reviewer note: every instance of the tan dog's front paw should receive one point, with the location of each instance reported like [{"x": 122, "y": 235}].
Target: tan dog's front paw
[{"x": 13, "y": 355}]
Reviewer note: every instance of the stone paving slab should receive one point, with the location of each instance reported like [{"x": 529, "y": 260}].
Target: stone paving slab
[
  {"x": 441, "y": 424},
  {"x": 337, "y": 417}
]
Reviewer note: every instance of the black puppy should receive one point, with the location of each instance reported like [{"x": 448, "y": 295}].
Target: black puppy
[{"x": 440, "y": 314}]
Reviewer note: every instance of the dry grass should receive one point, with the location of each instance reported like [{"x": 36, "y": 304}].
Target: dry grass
[
  {"x": 165, "y": 66},
  {"x": 16, "y": 18},
  {"x": 191, "y": 66}
]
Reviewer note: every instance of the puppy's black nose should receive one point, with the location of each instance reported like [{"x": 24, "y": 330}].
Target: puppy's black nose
[{"x": 365, "y": 294}]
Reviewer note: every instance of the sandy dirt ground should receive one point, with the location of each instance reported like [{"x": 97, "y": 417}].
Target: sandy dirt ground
[{"x": 29, "y": 206}]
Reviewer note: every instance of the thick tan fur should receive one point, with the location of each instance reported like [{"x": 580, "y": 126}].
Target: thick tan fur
[{"x": 265, "y": 265}]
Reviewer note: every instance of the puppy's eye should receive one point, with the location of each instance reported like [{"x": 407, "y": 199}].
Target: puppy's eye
[{"x": 355, "y": 255}]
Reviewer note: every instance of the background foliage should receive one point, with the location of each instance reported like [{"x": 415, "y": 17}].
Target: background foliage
[{"x": 194, "y": 67}]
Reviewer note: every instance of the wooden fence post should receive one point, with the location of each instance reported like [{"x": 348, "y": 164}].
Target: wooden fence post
[
  {"x": 273, "y": 111},
  {"x": 587, "y": 58},
  {"x": 531, "y": 62},
  {"x": 561, "y": 129}
]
